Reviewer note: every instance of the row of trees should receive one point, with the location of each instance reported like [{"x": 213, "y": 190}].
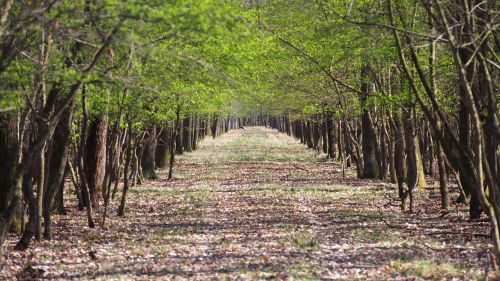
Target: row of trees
[
  {"x": 402, "y": 90},
  {"x": 101, "y": 93}
]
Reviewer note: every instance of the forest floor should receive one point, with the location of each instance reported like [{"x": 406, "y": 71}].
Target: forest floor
[{"x": 252, "y": 205}]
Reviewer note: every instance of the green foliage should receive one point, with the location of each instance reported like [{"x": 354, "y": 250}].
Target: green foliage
[{"x": 209, "y": 57}]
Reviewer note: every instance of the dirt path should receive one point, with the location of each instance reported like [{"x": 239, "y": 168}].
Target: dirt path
[{"x": 255, "y": 204}]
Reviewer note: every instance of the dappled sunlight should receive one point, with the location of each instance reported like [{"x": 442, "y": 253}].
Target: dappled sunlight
[{"x": 262, "y": 219}]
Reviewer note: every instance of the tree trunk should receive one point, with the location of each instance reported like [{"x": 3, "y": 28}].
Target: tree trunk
[
  {"x": 9, "y": 185},
  {"x": 59, "y": 199},
  {"x": 391, "y": 150},
  {"x": 383, "y": 149},
  {"x": 303, "y": 132},
  {"x": 179, "y": 147},
  {"x": 81, "y": 160},
  {"x": 187, "y": 129},
  {"x": 467, "y": 185},
  {"x": 399, "y": 153},
  {"x": 344, "y": 134},
  {"x": 42, "y": 181},
  {"x": 330, "y": 130},
  {"x": 214, "y": 125},
  {"x": 309, "y": 134},
  {"x": 58, "y": 159},
  {"x": 316, "y": 136},
  {"x": 148, "y": 155},
  {"x": 324, "y": 139},
  {"x": 30, "y": 228},
  {"x": 95, "y": 158},
  {"x": 128, "y": 159},
  {"x": 139, "y": 150},
  {"x": 421, "y": 183},
  {"x": 369, "y": 138},
  {"x": 175, "y": 132},
  {"x": 411, "y": 155},
  {"x": 162, "y": 147},
  {"x": 196, "y": 132}
]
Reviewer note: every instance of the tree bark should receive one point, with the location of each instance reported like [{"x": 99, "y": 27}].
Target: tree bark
[
  {"x": 179, "y": 142},
  {"x": 58, "y": 160},
  {"x": 162, "y": 147},
  {"x": 148, "y": 155},
  {"x": 369, "y": 138},
  {"x": 215, "y": 123},
  {"x": 399, "y": 153},
  {"x": 186, "y": 138},
  {"x": 95, "y": 158},
  {"x": 175, "y": 132},
  {"x": 30, "y": 228},
  {"x": 384, "y": 167},
  {"x": 9, "y": 185},
  {"x": 128, "y": 159},
  {"x": 330, "y": 130},
  {"x": 411, "y": 156}
]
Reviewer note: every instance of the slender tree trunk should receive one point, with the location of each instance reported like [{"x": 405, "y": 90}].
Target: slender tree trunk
[
  {"x": 128, "y": 158},
  {"x": 341, "y": 148},
  {"x": 187, "y": 129},
  {"x": 356, "y": 155},
  {"x": 59, "y": 199},
  {"x": 369, "y": 139},
  {"x": 214, "y": 125},
  {"x": 41, "y": 183},
  {"x": 139, "y": 150},
  {"x": 58, "y": 160},
  {"x": 30, "y": 227},
  {"x": 344, "y": 135},
  {"x": 179, "y": 145},
  {"x": 148, "y": 155},
  {"x": 399, "y": 152},
  {"x": 316, "y": 136},
  {"x": 309, "y": 134},
  {"x": 226, "y": 125},
  {"x": 81, "y": 161},
  {"x": 324, "y": 133},
  {"x": 330, "y": 129},
  {"x": 421, "y": 183},
  {"x": 302, "y": 132},
  {"x": 384, "y": 167},
  {"x": 172, "y": 144},
  {"x": 391, "y": 149},
  {"x": 76, "y": 185},
  {"x": 196, "y": 132},
  {"x": 411, "y": 155}
]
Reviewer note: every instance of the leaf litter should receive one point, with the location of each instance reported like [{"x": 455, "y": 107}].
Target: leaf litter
[{"x": 256, "y": 205}]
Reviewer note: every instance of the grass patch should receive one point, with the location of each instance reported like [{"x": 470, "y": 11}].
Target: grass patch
[
  {"x": 92, "y": 237},
  {"x": 372, "y": 215},
  {"x": 433, "y": 270},
  {"x": 59, "y": 247},
  {"x": 304, "y": 240},
  {"x": 367, "y": 195}
]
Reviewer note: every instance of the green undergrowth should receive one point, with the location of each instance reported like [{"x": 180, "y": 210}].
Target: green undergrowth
[{"x": 433, "y": 270}]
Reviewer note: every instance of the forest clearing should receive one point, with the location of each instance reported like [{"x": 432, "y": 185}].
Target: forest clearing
[
  {"x": 249, "y": 140},
  {"x": 241, "y": 207}
]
